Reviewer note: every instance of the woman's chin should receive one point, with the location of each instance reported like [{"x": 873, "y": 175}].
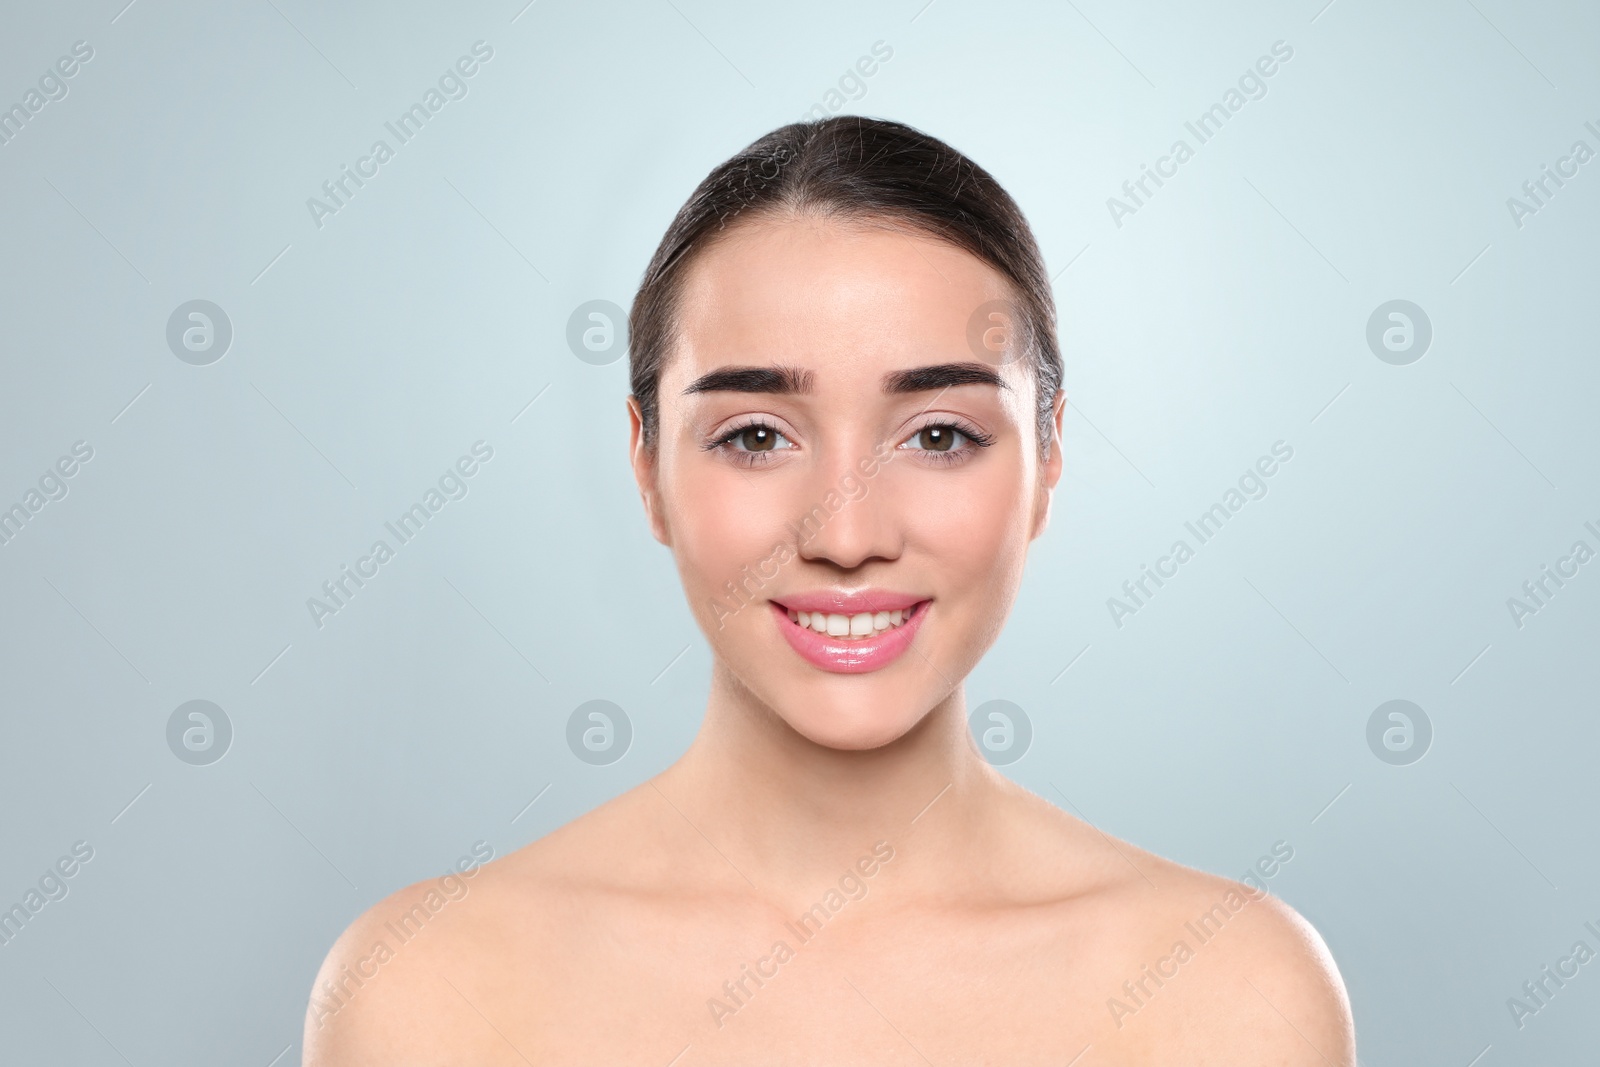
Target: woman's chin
[{"x": 850, "y": 729}]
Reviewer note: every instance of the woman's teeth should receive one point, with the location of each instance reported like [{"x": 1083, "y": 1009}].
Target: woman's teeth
[{"x": 864, "y": 624}]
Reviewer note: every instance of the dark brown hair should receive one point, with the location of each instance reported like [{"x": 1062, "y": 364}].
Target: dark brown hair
[{"x": 851, "y": 168}]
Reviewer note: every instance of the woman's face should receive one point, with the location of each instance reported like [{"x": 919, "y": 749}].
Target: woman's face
[{"x": 847, "y": 484}]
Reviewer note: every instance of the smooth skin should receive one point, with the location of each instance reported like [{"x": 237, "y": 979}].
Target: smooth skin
[{"x": 999, "y": 929}]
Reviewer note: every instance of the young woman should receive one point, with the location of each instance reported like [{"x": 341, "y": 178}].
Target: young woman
[{"x": 846, "y": 426}]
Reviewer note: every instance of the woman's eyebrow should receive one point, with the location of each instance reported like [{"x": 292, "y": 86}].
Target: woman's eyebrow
[
  {"x": 780, "y": 380},
  {"x": 941, "y": 376}
]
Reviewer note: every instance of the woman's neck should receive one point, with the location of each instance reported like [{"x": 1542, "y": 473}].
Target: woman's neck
[{"x": 787, "y": 812}]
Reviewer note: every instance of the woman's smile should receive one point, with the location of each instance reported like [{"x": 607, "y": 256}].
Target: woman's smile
[{"x": 850, "y": 633}]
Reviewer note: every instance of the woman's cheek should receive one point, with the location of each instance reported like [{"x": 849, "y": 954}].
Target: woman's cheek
[
  {"x": 980, "y": 538},
  {"x": 974, "y": 515},
  {"x": 722, "y": 538}
]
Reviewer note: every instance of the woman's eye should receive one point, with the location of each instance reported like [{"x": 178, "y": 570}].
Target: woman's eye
[
  {"x": 936, "y": 439},
  {"x": 756, "y": 439}
]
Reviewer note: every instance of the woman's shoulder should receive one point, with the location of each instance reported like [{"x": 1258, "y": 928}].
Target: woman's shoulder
[
  {"x": 1261, "y": 978},
  {"x": 1198, "y": 961},
  {"x": 391, "y": 987},
  {"x": 402, "y": 981}
]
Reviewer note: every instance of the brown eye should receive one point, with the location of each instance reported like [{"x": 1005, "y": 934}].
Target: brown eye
[
  {"x": 937, "y": 438},
  {"x": 758, "y": 438}
]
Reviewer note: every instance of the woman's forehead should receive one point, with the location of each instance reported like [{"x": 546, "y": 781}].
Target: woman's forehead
[{"x": 839, "y": 298}]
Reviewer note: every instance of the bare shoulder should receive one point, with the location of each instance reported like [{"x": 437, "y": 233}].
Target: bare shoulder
[
  {"x": 1205, "y": 969},
  {"x": 1268, "y": 986},
  {"x": 418, "y": 977},
  {"x": 384, "y": 992}
]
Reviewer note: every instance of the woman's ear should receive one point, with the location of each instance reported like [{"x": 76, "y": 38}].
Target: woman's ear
[
  {"x": 1050, "y": 469},
  {"x": 644, "y": 473}
]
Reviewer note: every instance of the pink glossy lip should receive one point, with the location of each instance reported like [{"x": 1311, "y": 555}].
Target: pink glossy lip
[{"x": 859, "y": 655}]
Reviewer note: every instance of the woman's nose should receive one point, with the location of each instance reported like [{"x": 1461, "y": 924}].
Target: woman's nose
[{"x": 849, "y": 518}]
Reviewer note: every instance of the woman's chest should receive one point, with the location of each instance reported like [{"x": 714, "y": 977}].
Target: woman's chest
[{"x": 781, "y": 993}]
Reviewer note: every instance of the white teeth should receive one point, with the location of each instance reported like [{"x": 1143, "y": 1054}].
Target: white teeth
[{"x": 861, "y": 624}]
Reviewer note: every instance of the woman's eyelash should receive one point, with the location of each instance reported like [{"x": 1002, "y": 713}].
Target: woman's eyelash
[
  {"x": 728, "y": 435},
  {"x": 770, "y": 443},
  {"x": 971, "y": 433},
  {"x": 975, "y": 437},
  {"x": 946, "y": 451}
]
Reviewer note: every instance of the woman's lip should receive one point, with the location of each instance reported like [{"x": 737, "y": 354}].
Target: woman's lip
[
  {"x": 838, "y": 602},
  {"x": 855, "y": 655}
]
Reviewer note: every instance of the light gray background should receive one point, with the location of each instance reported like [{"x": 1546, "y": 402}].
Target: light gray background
[{"x": 1229, "y": 312}]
